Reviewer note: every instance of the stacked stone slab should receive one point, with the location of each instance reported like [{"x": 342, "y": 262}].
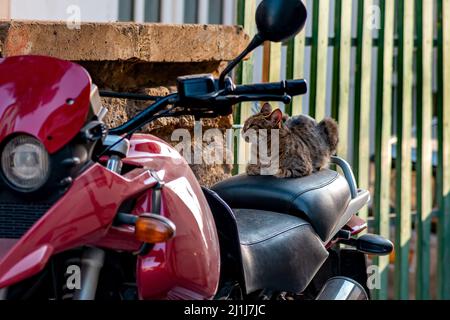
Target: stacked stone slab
[{"x": 145, "y": 58}]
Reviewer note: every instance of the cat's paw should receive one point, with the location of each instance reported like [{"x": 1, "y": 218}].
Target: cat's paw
[
  {"x": 294, "y": 173},
  {"x": 281, "y": 174},
  {"x": 253, "y": 170}
]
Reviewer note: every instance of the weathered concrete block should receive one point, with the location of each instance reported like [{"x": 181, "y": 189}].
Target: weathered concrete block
[
  {"x": 132, "y": 57},
  {"x": 123, "y": 41}
]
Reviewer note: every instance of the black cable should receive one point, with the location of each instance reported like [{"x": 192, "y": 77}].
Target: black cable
[
  {"x": 143, "y": 117},
  {"x": 131, "y": 96},
  {"x": 129, "y": 135}
]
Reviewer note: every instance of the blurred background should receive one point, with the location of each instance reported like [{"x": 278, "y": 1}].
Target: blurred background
[
  {"x": 166, "y": 11},
  {"x": 378, "y": 66}
]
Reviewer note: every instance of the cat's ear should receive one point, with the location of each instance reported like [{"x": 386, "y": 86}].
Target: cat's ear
[
  {"x": 276, "y": 116},
  {"x": 266, "y": 108}
]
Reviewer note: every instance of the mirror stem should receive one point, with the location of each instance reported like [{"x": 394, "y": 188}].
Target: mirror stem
[{"x": 255, "y": 43}]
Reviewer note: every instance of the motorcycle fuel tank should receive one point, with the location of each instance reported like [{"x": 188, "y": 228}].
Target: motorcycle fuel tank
[{"x": 187, "y": 266}]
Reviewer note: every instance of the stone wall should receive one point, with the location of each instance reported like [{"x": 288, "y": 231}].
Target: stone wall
[
  {"x": 144, "y": 58},
  {"x": 4, "y": 9}
]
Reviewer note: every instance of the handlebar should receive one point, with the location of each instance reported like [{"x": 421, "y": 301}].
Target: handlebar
[
  {"x": 288, "y": 87},
  {"x": 216, "y": 102},
  {"x": 282, "y": 91}
]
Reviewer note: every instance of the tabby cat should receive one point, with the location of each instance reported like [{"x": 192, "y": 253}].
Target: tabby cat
[{"x": 305, "y": 146}]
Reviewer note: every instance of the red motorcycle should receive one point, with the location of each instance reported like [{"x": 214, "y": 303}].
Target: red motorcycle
[{"x": 91, "y": 213}]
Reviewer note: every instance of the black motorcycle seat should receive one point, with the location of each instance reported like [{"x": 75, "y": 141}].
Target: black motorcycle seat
[
  {"x": 321, "y": 198},
  {"x": 279, "y": 252}
]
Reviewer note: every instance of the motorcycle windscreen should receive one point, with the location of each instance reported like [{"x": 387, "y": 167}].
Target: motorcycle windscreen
[{"x": 43, "y": 97}]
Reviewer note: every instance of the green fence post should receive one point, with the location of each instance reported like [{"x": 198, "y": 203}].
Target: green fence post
[
  {"x": 383, "y": 157},
  {"x": 443, "y": 177},
  {"x": 341, "y": 71},
  {"x": 319, "y": 54},
  {"x": 295, "y": 68},
  {"x": 403, "y": 160},
  {"x": 424, "y": 149},
  {"x": 246, "y": 18},
  {"x": 275, "y": 62},
  {"x": 361, "y": 151}
]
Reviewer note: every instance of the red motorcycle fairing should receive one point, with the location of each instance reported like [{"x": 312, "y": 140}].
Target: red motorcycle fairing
[
  {"x": 82, "y": 216},
  {"x": 185, "y": 267},
  {"x": 49, "y": 99},
  {"x": 44, "y": 97}
]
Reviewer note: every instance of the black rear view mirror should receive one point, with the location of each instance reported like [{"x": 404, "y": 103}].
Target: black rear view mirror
[
  {"x": 279, "y": 20},
  {"x": 276, "y": 20}
]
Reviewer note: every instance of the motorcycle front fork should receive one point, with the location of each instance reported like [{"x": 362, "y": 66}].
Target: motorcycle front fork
[
  {"x": 115, "y": 164},
  {"x": 3, "y": 294},
  {"x": 92, "y": 262},
  {"x": 93, "y": 258},
  {"x": 80, "y": 280}
]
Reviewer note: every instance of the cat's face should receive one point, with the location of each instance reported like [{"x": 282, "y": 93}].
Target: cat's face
[{"x": 265, "y": 119}]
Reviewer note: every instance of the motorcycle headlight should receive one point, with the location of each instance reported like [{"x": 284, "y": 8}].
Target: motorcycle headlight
[{"x": 25, "y": 163}]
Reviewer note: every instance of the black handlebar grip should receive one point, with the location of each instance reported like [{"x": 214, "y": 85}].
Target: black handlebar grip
[
  {"x": 290, "y": 87},
  {"x": 275, "y": 88},
  {"x": 296, "y": 87}
]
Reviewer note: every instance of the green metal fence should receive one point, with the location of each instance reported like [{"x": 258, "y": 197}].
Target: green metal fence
[{"x": 410, "y": 88}]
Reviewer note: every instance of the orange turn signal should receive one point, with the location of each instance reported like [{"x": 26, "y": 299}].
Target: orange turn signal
[{"x": 152, "y": 228}]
